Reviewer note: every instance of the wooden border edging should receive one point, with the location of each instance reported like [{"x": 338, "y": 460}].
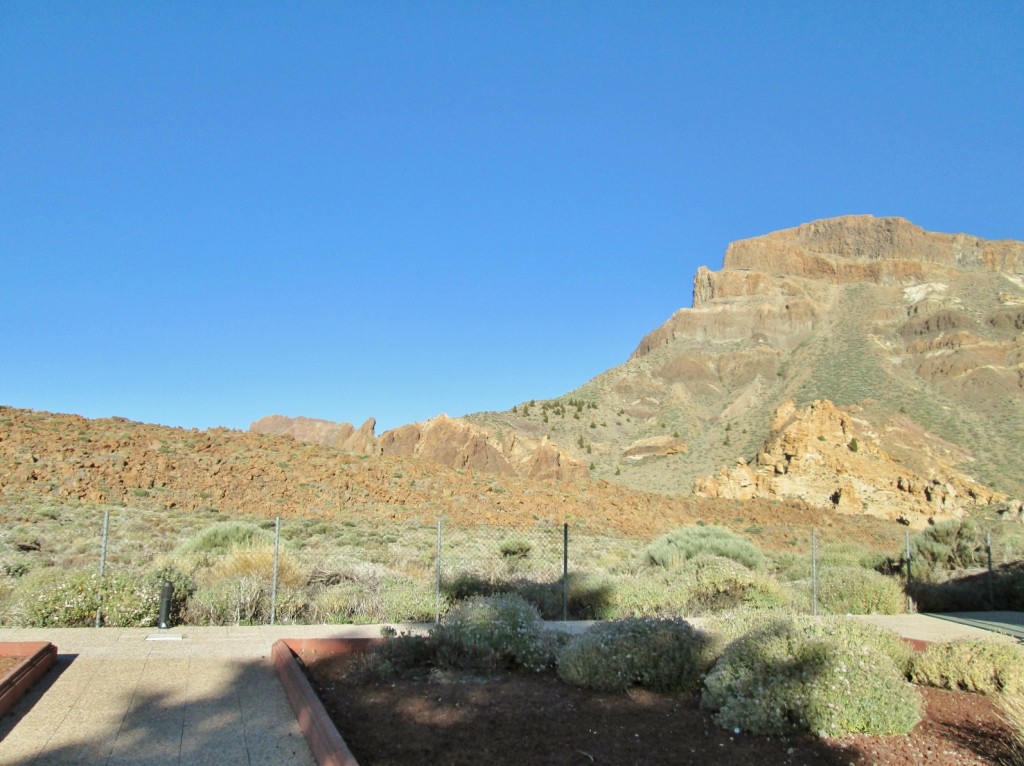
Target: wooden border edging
[
  {"x": 39, "y": 656},
  {"x": 326, "y": 744}
]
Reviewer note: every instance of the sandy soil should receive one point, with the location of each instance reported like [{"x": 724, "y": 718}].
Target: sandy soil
[{"x": 519, "y": 719}]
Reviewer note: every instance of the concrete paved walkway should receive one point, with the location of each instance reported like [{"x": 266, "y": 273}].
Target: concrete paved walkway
[
  {"x": 207, "y": 696},
  {"x": 189, "y": 695}
]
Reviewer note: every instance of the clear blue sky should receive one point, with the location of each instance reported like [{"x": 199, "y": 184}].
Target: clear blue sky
[{"x": 214, "y": 211}]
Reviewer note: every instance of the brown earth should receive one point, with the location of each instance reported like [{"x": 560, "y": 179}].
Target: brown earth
[{"x": 535, "y": 719}]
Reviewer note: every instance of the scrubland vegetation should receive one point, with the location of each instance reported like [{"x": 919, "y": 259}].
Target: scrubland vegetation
[{"x": 352, "y": 571}]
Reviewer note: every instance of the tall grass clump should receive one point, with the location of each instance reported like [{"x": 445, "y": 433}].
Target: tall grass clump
[
  {"x": 662, "y": 654},
  {"x": 681, "y": 545},
  {"x": 809, "y": 675},
  {"x": 973, "y": 665}
]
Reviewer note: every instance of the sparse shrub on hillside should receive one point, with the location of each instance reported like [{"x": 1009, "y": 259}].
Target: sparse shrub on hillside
[
  {"x": 244, "y": 600},
  {"x": 972, "y": 665},
  {"x": 255, "y": 561},
  {"x": 663, "y": 654},
  {"x": 680, "y": 546},
  {"x": 805, "y": 675},
  {"x": 390, "y": 599},
  {"x": 223, "y": 536},
  {"x": 792, "y": 566}
]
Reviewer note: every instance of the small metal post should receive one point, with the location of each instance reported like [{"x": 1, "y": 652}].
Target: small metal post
[
  {"x": 437, "y": 578},
  {"x": 991, "y": 573},
  {"x": 565, "y": 572},
  {"x": 103, "y": 565},
  {"x": 166, "y": 597},
  {"x": 814, "y": 572},
  {"x": 273, "y": 582}
]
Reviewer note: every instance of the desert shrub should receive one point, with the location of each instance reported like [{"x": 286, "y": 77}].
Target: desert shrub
[
  {"x": 717, "y": 583},
  {"x": 244, "y": 600},
  {"x": 223, "y": 536},
  {"x": 390, "y": 599},
  {"x": 649, "y": 593},
  {"x": 956, "y": 544},
  {"x": 855, "y": 590},
  {"x": 1011, "y": 712},
  {"x": 256, "y": 561},
  {"x": 497, "y": 631},
  {"x": 515, "y": 548},
  {"x": 797, "y": 566},
  {"x": 680, "y": 546},
  {"x": 58, "y": 598},
  {"x": 807, "y": 675},
  {"x": 973, "y": 665},
  {"x": 663, "y": 654}
]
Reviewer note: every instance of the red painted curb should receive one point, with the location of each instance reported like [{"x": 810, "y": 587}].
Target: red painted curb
[
  {"x": 39, "y": 656},
  {"x": 326, "y": 744}
]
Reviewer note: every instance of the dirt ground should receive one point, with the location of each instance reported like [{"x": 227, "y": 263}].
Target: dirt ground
[{"x": 506, "y": 719}]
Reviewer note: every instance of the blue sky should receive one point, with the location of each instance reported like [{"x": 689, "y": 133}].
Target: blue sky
[{"x": 211, "y": 212}]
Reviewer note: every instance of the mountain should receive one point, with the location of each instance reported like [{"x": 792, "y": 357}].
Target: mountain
[
  {"x": 873, "y": 329},
  {"x": 858, "y": 363}
]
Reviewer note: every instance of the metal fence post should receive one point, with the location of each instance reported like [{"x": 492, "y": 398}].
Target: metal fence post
[
  {"x": 814, "y": 572},
  {"x": 437, "y": 578},
  {"x": 910, "y": 599},
  {"x": 103, "y": 565},
  {"x": 273, "y": 582},
  {"x": 565, "y": 572},
  {"x": 991, "y": 573}
]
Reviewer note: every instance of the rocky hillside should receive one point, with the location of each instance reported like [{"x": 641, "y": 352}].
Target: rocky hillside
[
  {"x": 914, "y": 337},
  {"x": 48, "y": 459}
]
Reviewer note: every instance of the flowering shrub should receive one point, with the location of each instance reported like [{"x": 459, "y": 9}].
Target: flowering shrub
[
  {"x": 58, "y": 598},
  {"x": 495, "y": 631},
  {"x": 717, "y": 583},
  {"x": 809, "y": 675},
  {"x": 974, "y": 665},
  {"x": 662, "y": 654}
]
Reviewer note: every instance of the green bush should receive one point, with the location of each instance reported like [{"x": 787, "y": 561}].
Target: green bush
[
  {"x": 947, "y": 545},
  {"x": 809, "y": 675},
  {"x": 717, "y": 583},
  {"x": 680, "y": 546},
  {"x": 973, "y": 665},
  {"x": 663, "y": 654},
  {"x": 497, "y": 631},
  {"x": 223, "y": 536},
  {"x": 389, "y": 599},
  {"x": 855, "y": 590}
]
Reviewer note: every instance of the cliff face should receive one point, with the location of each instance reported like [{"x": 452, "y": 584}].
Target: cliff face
[{"x": 887, "y": 323}]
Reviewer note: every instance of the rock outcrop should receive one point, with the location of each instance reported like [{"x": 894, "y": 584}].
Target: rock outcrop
[
  {"x": 826, "y": 456},
  {"x": 342, "y": 436},
  {"x": 448, "y": 441}
]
